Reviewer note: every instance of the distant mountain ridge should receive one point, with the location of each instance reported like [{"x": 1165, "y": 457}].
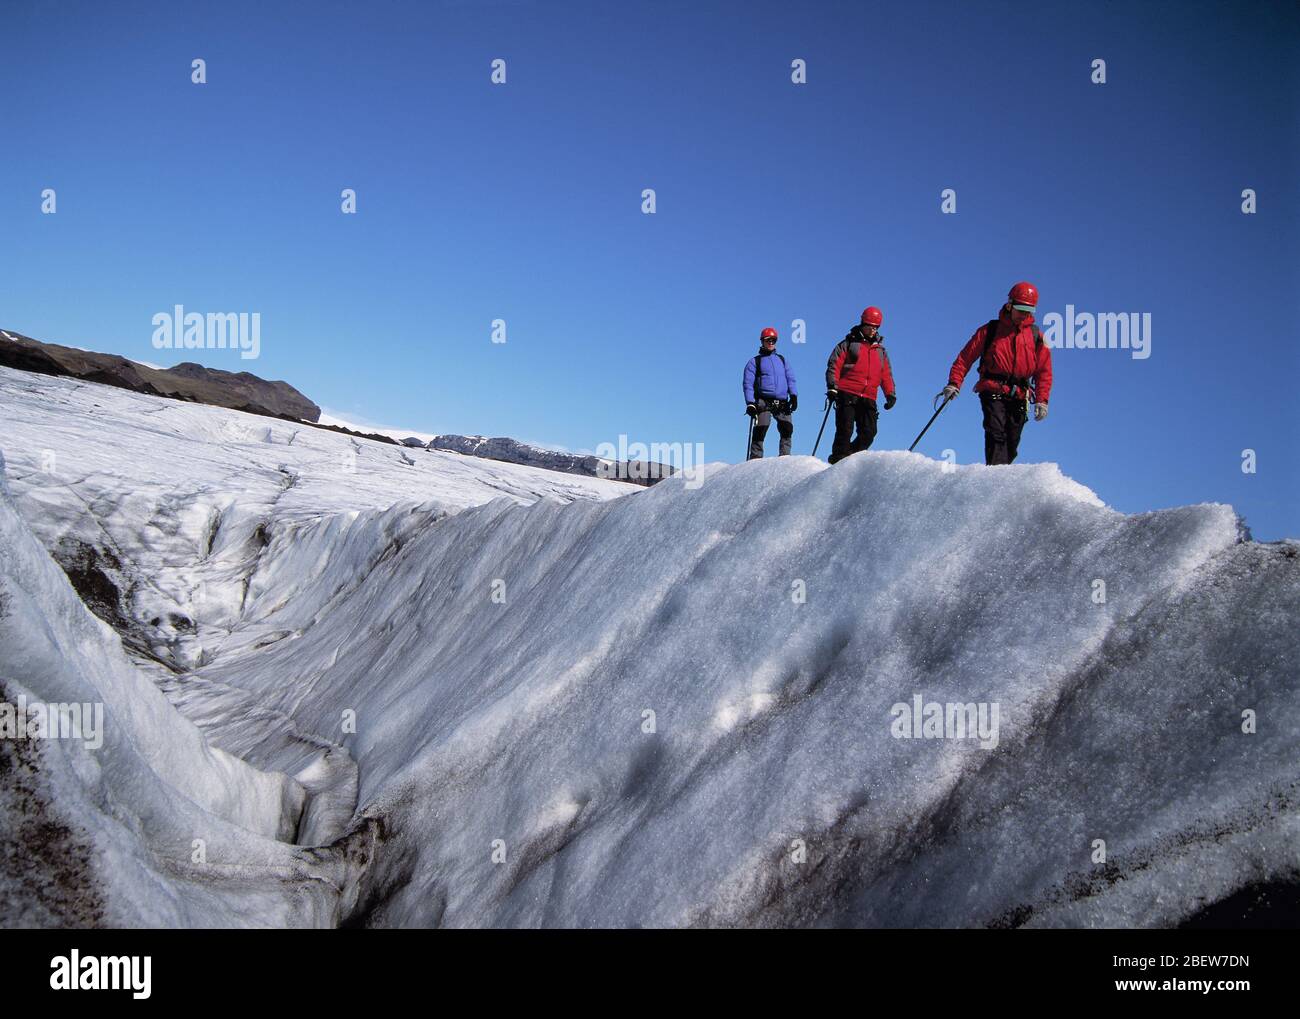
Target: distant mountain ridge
[
  {"x": 514, "y": 451},
  {"x": 192, "y": 382}
]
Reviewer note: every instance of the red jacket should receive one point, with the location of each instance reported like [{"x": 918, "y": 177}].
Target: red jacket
[
  {"x": 1014, "y": 355},
  {"x": 867, "y": 366}
]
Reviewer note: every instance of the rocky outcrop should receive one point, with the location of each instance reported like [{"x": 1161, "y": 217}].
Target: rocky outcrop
[{"x": 188, "y": 381}]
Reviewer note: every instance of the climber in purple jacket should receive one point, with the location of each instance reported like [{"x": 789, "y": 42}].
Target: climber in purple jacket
[{"x": 770, "y": 391}]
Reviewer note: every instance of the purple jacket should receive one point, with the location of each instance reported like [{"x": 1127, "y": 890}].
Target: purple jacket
[{"x": 777, "y": 382}]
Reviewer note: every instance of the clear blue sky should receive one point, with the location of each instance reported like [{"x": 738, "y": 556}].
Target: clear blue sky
[{"x": 775, "y": 202}]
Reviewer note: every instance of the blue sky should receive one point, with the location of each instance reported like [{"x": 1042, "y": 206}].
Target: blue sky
[{"x": 775, "y": 202}]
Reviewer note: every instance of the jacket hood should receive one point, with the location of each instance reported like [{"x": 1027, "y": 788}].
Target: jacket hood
[{"x": 857, "y": 335}]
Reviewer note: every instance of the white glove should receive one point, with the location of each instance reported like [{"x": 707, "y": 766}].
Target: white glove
[
  {"x": 949, "y": 393},
  {"x": 1040, "y": 411}
]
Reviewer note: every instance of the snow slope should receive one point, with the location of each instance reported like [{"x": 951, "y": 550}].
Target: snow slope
[
  {"x": 168, "y": 501},
  {"x": 160, "y": 511},
  {"x": 679, "y": 707}
]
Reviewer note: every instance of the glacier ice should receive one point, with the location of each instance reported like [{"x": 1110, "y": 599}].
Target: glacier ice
[{"x": 561, "y": 707}]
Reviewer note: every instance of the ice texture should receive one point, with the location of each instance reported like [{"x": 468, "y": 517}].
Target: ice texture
[{"x": 677, "y": 707}]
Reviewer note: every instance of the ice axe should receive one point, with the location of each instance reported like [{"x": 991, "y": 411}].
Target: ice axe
[
  {"x": 749, "y": 439},
  {"x": 823, "y": 427},
  {"x": 946, "y": 401}
]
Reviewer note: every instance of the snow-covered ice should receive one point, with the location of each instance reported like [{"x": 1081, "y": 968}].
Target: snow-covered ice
[{"x": 675, "y": 707}]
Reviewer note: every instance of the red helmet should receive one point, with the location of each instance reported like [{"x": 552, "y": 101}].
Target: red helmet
[
  {"x": 767, "y": 334},
  {"x": 1024, "y": 294},
  {"x": 872, "y": 317}
]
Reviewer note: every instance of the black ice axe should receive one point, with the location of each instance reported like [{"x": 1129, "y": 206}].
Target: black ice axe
[
  {"x": 823, "y": 427},
  {"x": 946, "y": 401}
]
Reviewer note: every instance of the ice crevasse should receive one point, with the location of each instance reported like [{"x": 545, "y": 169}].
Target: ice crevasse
[{"x": 695, "y": 706}]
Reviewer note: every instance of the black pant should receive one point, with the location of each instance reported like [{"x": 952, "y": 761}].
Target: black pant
[
  {"x": 850, "y": 411},
  {"x": 768, "y": 409},
  {"x": 1004, "y": 420}
]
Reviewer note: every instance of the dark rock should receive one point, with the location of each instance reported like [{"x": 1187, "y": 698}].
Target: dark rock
[
  {"x": 1264, "y": 904},
  {"x": 372, "y": 436},
  {"x": 192, "y": 382}
]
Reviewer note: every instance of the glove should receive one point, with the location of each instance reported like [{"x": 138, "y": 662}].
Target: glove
[
  {"x": 831, "y": 394},
  {"x": 751, "y": 410},
  {"x": 949, "y": 393},
  {"x": 890, "y": 400},
  {"x": 794, "y": 402},
  {"x": 1040, "y": 411}
]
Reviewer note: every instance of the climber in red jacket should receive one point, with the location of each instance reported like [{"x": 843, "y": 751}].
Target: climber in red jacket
[
  {"x": 1015, "y": 369},
  {"x": 856, "y": 369}
]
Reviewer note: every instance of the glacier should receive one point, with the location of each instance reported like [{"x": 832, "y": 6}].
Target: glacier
[{"x": 353, "y": 684}]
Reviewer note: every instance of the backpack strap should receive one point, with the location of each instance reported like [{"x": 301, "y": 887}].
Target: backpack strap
[
  {"x": 850, "y": 355},
  {"x": 1002, "y": 378},
  {"x": 991, "y": 329},
  {"x": 990, "y": 334}
]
